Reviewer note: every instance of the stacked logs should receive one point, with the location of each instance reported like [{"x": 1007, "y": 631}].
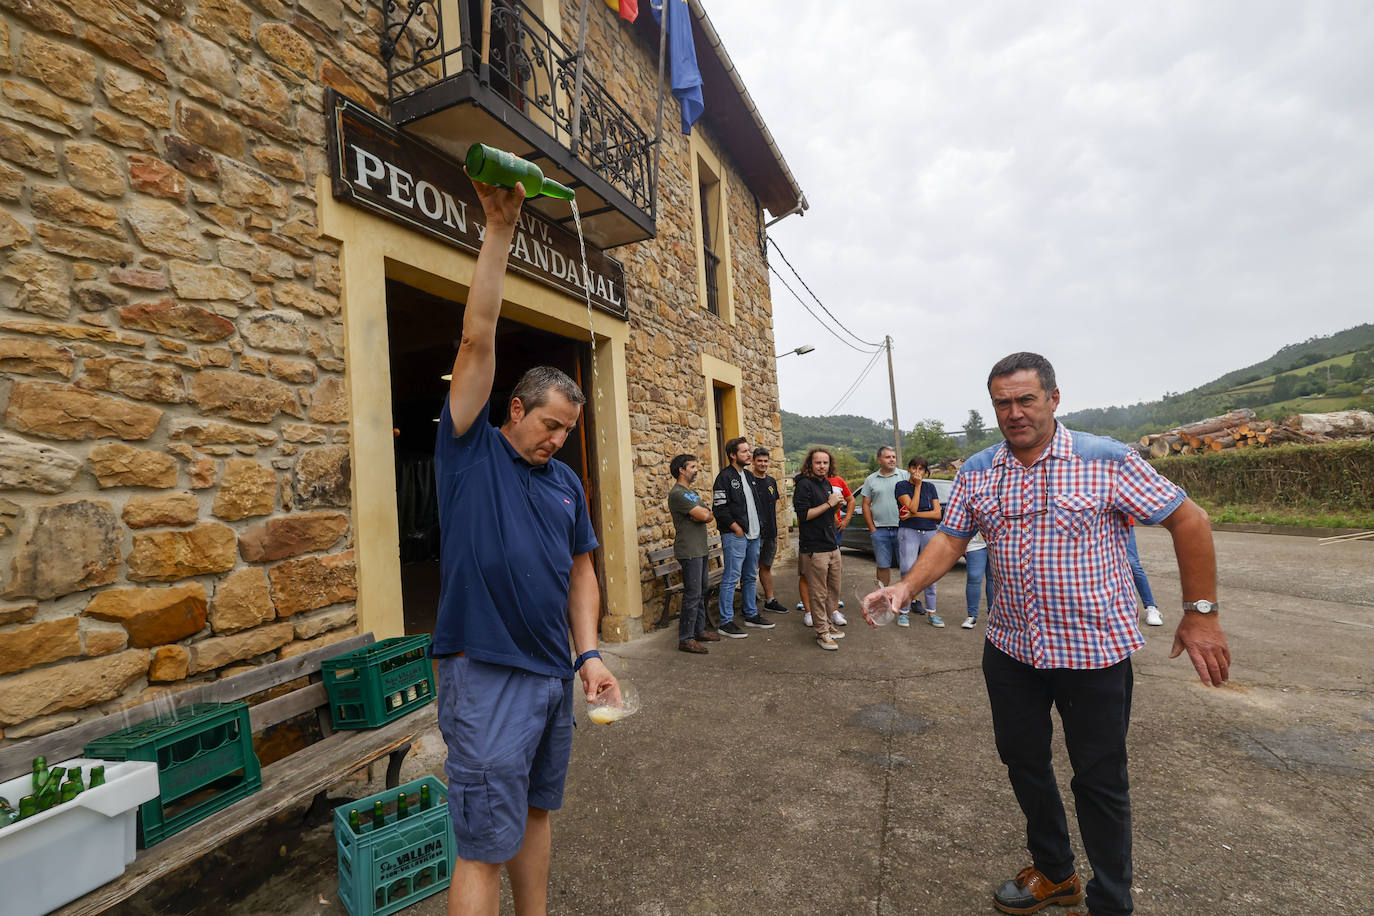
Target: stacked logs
[{"x": 1240, "y": 429}]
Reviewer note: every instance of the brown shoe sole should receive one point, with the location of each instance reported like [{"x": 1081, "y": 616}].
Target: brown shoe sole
[{"x": 1060, "y": 900}]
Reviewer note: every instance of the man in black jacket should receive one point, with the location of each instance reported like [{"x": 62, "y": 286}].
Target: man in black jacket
[{"x": 737, "y": 518}]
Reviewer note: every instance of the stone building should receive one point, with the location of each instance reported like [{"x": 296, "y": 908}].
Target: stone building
[{"x": 234, "y": 247}]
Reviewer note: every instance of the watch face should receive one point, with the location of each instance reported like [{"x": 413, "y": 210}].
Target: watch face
[{"x": 1204, "y": 607}]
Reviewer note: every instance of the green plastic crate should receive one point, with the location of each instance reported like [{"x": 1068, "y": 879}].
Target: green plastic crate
[
  {"x": 205, "y": 762},
  {"x": 379, "y": 683},
  {"x": 382, "y": 870}
]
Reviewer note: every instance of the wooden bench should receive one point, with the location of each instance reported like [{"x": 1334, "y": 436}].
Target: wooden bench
[
  {"x": 666, "y": 568},
  {"x": 275, "y": 698}
]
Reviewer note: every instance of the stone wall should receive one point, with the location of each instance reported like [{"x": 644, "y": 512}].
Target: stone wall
[
  {"x": 670, "y": 328},
  {"x": 174, "y": 443},
  {"x": 174, "y": 450}
]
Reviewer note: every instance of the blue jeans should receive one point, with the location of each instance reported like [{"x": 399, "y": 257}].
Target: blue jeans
[
  {"x": 1142, "y": 584},
  {"x": 977, "y": 579},
  {"x": 910, "y": 543},
  {"x": 884, "y": 547},
  {"x": 741, "y": 557}
]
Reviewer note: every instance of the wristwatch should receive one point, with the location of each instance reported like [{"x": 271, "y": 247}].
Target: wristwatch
[
  {"x": 1202, "y": 607},
  {"x": 581, "y": 659}
]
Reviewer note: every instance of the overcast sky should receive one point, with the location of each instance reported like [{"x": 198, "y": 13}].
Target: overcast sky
[{"x": 1150, "y": 195}]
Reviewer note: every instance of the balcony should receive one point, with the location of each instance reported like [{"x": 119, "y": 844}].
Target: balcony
[{"x": 524, "y": 94}]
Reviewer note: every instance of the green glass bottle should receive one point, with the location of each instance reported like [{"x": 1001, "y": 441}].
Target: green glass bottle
[
  {"x": 40, "y": 773},
  {"x": 378, "y": 815},
  {"x": 425, "y": 800},
  {"x": 490, "y": 165},
  {"x": 402, "y": 807},
  {"x": 28, "y": 806},
  {"x": 69, "y": 791},
  {"x": 97, "y": 776},
  {"x": 354, "y": 821}
]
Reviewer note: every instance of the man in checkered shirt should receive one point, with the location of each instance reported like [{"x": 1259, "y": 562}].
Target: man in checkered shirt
[{"x": 1052, "y": 505}]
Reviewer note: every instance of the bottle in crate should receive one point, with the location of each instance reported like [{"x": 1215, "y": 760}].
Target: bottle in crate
[
  {"x": 379, "y": 683},
  {"x": 386, "y": 869}
]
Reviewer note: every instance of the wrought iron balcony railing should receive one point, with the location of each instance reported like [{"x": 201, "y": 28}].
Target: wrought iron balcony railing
[{"x": 529, "y": 71}]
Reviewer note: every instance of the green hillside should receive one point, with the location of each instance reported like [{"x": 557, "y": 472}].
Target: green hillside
[{"x": 1320, "y": 374}]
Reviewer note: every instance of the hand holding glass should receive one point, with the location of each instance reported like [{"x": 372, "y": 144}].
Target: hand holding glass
[{"x": 877, "y": 606}]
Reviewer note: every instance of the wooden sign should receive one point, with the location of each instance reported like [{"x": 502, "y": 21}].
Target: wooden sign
[{"x": 375, "y": 166}]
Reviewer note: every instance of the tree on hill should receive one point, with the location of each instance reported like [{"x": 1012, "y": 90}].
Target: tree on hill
[
  {"x": 929, "y": 440},
  {"x": 973, "y": 430}
]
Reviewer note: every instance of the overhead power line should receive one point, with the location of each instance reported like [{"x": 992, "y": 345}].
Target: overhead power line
[
  {"x": 866, "y": 343},
  {"x": 818, "y": 318},
  {"x": 857, "y": 382}
]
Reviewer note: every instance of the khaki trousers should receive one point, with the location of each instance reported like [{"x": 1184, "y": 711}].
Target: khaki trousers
[{"x": 822, "y": 572}]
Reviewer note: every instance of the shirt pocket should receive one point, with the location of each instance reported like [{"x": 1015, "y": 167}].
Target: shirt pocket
[
  {"x": 987, "y": 515},
  {"x": 1075, "y": 514}
]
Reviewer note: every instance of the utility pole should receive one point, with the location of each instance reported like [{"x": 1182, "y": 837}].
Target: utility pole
[{"x": 892, "y": 388}]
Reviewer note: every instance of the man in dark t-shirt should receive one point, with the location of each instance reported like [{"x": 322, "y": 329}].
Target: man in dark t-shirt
[
  {"x": 516, "y": 574},
  {"x": 766, "y": 501},
  {"x": 689, "y": 549}
]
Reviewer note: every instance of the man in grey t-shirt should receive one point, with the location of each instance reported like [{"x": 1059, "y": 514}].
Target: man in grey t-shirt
[
  {"x": 881, "y": 512},
  {"x": 689, "y": 549}
]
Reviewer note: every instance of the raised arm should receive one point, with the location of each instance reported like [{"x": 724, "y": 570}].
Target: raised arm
[{"x": 474, "y": 368}]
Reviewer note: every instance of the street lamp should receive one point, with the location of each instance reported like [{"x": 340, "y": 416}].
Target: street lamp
[{"x": 803, "y": 349}]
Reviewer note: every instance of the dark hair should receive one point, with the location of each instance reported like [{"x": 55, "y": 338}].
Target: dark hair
[
  {"x": 1018, "y": 362},
  {"x": 731, "y": 447},
  {"x": 678, "y": 463},
  {"x": 761, "y": 451},
  {"x": 918, "y": 462},
  {"x": 806, "y": 462},
  {"x": 534, "y": 387},
  {"x": 884, "y": 448}
]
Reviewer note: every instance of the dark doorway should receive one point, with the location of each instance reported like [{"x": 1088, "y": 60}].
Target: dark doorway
[{"x": 424, "y": 332}]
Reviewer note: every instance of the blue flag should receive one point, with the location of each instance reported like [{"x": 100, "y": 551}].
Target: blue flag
[{"x": 682, "y": 56}]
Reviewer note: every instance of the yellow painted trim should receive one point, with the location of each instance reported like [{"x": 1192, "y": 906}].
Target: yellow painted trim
[
  {"x": 731, "y": 377},
  {"x": 701, "y": 153},
  {"x": 374, "y": 249}
]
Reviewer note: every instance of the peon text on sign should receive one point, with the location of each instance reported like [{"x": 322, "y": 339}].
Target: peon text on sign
[{"x": 375, "y": 166}]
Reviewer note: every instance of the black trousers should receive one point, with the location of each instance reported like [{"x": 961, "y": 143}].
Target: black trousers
[
  {"x": 692, "y": 620},
  {"x": 1095, "y": 709}
]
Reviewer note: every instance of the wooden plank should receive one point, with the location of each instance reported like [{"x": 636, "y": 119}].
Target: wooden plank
[
  {"x": 285, "y": 783},
  {"x": 17, "y": 758},
  {"x": 278, "y": 710}
]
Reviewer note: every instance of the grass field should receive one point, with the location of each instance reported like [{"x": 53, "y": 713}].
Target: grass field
[{"x": 1335, "y": 362}]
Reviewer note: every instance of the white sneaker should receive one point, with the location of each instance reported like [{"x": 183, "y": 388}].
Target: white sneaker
[
  {"x": 836, "y": 634},
  {"x": 839, "y": 603},
  {"x": 1152, "y": 616},
  {"x": 838, "y": 619},
  {"x": 825, "y": 642},
  {"x": 969, "y": 623},
  {"x": 800, "y": 606},
  {"x": 806, "y": 619}
]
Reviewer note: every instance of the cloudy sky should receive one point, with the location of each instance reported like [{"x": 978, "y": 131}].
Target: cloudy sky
[{"x": 1149, "y": 194}]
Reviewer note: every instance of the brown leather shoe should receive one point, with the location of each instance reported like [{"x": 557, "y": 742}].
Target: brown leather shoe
[
  {"x": 1030, "y": 892},
  {"x": 708, "y": 636},
  {"x": 692, "y": 646}
]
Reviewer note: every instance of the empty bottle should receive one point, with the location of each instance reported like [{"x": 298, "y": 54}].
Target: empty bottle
[
  {"x": 97, "y": 776},
  {"x": 490, "y": 165},
  {"x": 402, "y": 807},
  {"x": 425, "y": 800},
  {"x": 378, "y": 815},
  {"x": 354, "y": 821}
]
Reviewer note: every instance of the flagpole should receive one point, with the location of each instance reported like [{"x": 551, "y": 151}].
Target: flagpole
[
  {"x": 658, "y": 138},
  {"x": 577, "y": 81}
]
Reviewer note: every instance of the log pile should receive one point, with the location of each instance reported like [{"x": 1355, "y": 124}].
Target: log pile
[{"x": 1240, "y": 429}]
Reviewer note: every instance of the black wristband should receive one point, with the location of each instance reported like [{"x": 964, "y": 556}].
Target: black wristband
[{"x": 581, "y": 659}]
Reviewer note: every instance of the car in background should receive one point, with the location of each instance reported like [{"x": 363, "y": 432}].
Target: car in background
[{"x": 855, "y": 537}]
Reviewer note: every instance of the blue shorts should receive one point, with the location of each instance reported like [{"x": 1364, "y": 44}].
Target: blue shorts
[
  {"x": 509, "y": 736},
  {"x": 885, "y": 554}
]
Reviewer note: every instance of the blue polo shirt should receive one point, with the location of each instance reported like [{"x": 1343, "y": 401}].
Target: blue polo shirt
[{"x": 508, "y": 533}]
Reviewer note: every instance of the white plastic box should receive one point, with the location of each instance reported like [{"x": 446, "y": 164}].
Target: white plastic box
[{"x": 57, "y": 855}]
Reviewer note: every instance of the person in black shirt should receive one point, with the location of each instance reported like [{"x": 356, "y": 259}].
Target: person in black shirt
[
  {"x": 766, "y": 501},
  {"x": 815, "y": 500}
]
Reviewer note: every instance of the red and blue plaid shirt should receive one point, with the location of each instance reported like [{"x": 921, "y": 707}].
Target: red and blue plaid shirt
[{"x": 1056, "y": 535}]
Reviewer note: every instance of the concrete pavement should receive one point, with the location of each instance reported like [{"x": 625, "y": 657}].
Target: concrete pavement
[{"x": 772, "y": 777}]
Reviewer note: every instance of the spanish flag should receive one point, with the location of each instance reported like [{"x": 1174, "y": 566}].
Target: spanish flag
[{"x": 628, "y": 9}]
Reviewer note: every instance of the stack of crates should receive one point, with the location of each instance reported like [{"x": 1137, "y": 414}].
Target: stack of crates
[
  {"x": 205, "y": 762},
  {"x": 379, "y": 683},
  {"x": 387, "y": 867}
]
